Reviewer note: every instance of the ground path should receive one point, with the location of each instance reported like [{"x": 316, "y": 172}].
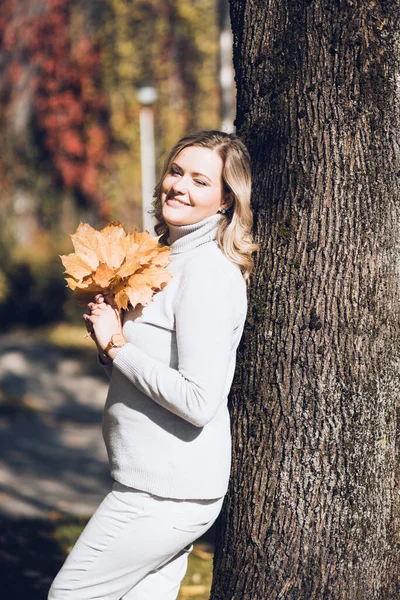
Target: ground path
[
  {"x": 52, "y": 456},
  {"x": 52, "y": 459}
]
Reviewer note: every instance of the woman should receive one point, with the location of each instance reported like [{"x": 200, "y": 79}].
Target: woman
[{"x": 166, "y": 422}]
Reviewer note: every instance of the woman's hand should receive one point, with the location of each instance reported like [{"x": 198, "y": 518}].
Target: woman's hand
[{"x": 103, "y": 321}]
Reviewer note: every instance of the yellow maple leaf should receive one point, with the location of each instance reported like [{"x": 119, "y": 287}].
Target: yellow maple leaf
[
  {"x": 86, "y": 242},
  {"x": 103, "y": 275},
  {"x": 161, "y": 257},
  {"x": 135, "y": 290},
  {"x": 76, "y": 267},
  {"x": 111, "y": 249},
  {"x": 131, "y": 267},
  {"x": 131, "y": 263},
  {"x": 155, "y": 276}
]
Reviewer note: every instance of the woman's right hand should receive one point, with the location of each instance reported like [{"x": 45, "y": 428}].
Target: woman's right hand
[{"x": 103, "y": 321}]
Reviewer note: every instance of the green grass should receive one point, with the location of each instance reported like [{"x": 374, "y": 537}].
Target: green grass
[
  {"x": 69, "y": 336},
  {"x": 67, "y": 531},
  {"x": 196, "y": 584}
]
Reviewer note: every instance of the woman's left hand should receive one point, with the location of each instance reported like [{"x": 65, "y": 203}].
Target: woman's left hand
[{"x": 104, "y": 320}]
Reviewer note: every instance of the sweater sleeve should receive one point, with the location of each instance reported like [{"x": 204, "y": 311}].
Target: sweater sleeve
[
  {"x": 106, "y": 366},
  {"x": 205, "y": 325}
]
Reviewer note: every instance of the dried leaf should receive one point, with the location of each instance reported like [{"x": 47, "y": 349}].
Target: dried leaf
[
  {"x": 148, "y": 245},
  {"x": 156, "y": 277},
  {"x": 138, "y": 290},
  {"x": 87, "y": 244},
  {"x": 72, "y": 283},
  {"x": 103, "y": 275},
  {"x": 121, "y": 299},
  {"x": 131, "y": 263},
  {"x": 130, "y": 267},
  {"x": 161, "y": 258},
  {"x": 111, "y": 250},
  {"x": 76, "y": 266}
]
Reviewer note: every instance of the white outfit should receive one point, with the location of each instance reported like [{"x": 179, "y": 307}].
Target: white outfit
[{"x": 166, "y": 422}]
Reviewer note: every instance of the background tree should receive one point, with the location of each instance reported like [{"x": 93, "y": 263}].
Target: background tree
[{"x": 313, "y": 506}]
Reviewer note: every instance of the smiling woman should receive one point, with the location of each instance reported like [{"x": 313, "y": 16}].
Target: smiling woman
[
  {"x": 171, "y": 364},
  {"x": 192, "y": 189}
]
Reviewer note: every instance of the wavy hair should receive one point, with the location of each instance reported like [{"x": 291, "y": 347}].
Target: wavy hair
[{"x": 234, "y": 235}]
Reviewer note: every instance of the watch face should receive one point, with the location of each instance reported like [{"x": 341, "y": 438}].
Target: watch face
[{"x": 118, "y": 340}]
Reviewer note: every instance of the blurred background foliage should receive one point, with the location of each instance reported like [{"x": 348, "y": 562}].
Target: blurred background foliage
[{"x": 69, "y": 121}]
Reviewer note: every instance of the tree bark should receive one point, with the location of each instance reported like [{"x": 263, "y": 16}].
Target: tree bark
[{"x": 313, "y": 507}]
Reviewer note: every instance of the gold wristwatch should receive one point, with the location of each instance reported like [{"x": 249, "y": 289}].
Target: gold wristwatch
[{"x": 117, "y": 341}]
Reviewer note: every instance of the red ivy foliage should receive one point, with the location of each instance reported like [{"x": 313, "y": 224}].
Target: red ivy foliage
[{"x": 69, "y": 107}]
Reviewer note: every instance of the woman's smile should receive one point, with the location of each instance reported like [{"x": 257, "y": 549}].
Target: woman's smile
[{"x": 176, "y": 202}]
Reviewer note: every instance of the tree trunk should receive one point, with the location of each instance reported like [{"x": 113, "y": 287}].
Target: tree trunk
[{"x": 313, "y": 506}]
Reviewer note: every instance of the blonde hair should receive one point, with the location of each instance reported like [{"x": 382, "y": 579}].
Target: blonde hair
[{"x": 234, "y": 235}]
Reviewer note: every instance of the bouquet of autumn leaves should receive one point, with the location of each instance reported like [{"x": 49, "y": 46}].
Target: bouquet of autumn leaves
[{"x": 131, "y": 267}]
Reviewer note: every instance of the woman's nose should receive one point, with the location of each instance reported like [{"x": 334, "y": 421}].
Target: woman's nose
[{"x": 180, "y": 185}]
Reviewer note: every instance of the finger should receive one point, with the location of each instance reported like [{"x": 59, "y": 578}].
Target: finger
[
  {"x": 88, "y": 324},
  {"x": 100, "y": 309},
  {"x": 94, "y": 306},
  {"x": 103, "y": 306},
  {"x": 91, "y": 318}
]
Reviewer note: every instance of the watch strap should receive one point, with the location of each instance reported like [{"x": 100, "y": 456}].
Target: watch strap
[
  {"x": 114, "y": 344},
  {"x": 108, "y": 348}
]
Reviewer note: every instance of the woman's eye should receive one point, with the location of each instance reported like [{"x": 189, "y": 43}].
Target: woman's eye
[
  {"x": 200, "y": 182},
  {"x": 173, "y": 171}
]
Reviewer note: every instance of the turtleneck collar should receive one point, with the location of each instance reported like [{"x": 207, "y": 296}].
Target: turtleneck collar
[{"x": 187, "y": 237}]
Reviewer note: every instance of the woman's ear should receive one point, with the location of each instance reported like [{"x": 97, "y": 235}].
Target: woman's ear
[{"x": 227, "y": 203}]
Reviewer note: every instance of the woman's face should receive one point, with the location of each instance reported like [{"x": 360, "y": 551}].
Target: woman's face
[{"x": 192, "y": 188}]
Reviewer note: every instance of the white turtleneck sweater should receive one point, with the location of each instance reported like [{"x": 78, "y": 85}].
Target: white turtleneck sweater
[{"x": 166, "y": 422}]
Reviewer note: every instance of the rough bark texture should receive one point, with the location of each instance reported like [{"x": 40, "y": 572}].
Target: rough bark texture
[{"x": 313, "y": 507}]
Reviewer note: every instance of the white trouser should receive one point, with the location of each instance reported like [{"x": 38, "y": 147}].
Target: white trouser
[{"x": 135, "y": 547}]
